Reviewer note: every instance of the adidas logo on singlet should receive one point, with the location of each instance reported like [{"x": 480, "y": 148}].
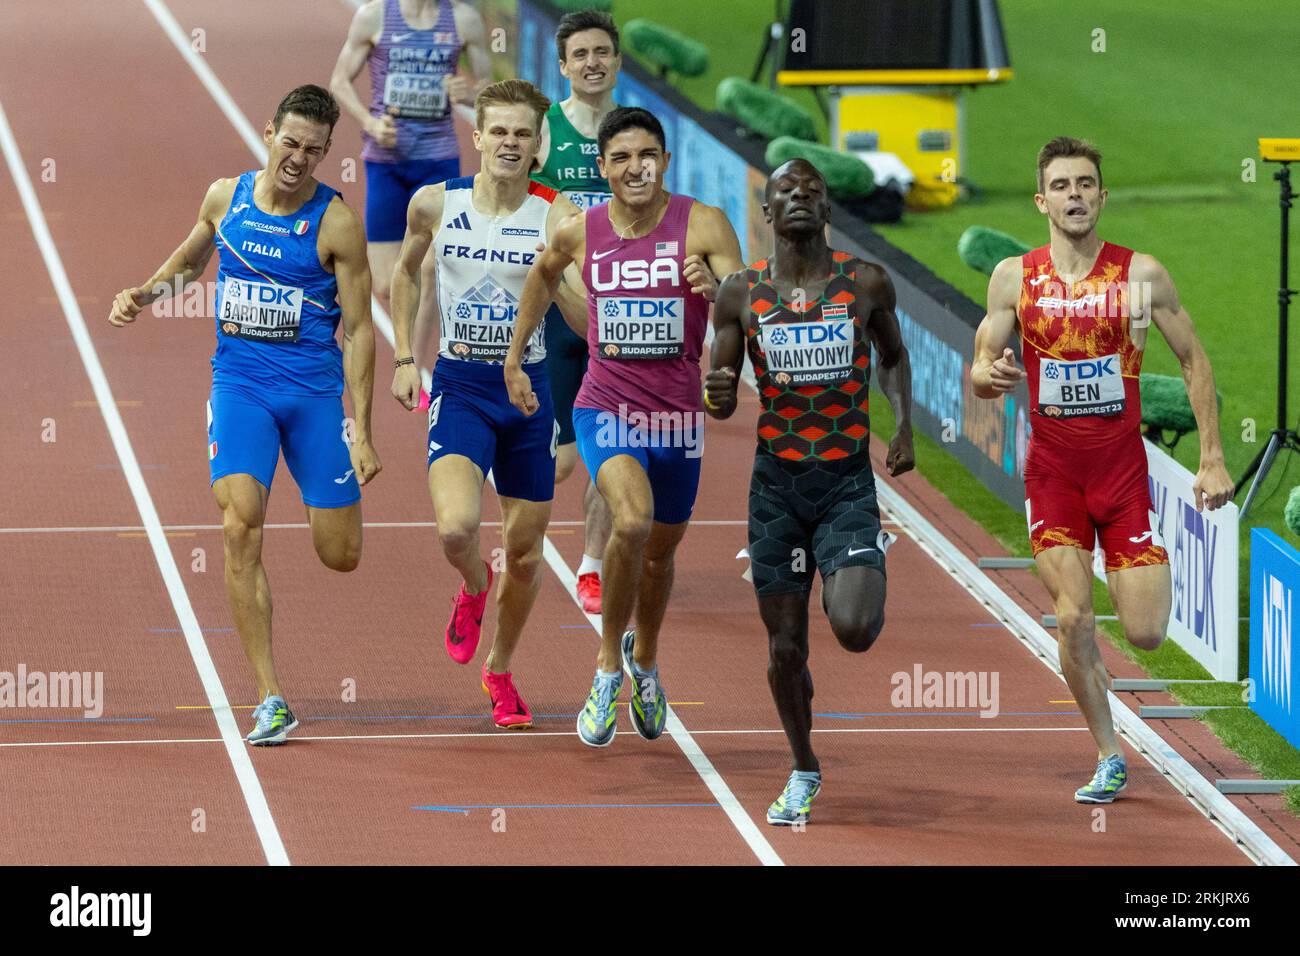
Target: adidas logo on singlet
[{"x": 460, "y": 222}]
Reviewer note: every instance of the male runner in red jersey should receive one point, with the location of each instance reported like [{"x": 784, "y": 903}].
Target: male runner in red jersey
[
  {"x": 1083, "y": 308},
  {"x": 648, "y": 260},
  {"x": 808, "y": 316}
]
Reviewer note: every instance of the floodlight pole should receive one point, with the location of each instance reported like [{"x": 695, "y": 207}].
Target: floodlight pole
[{"x": 1283, "y": 437}]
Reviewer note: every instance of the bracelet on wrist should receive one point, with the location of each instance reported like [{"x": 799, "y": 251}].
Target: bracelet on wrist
[{"x": 409, "y": 360}]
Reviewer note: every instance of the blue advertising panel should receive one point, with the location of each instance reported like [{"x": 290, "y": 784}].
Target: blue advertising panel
[{"x": 1274, "y": 587}]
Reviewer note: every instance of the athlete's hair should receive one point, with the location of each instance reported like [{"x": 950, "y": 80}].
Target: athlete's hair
[
  {"x": 628, "y": 117},
  {"x": 1067, "y": 146},
  {"x": 580, "y": 20},
  {"x": 772, "y": 177},
  {"x": 507, "y": 92},
  {"x": 310, "y": 102}
]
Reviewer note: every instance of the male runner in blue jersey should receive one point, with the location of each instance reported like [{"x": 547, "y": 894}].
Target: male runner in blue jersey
[
  {"x": 413, "y": 48},
  {"x": 484, "y": 231},
  {"x": 292, "y": 264}
]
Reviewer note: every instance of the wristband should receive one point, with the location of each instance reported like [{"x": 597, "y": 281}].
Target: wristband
[{"x": 409, "y": 360}]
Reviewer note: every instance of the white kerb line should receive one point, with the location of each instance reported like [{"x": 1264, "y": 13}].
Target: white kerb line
[{"x": 249, "y": 784}]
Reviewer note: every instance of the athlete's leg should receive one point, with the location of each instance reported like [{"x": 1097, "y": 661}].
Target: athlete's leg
[
  {"x": 242, "y": 500},
  {"x": 1067, "y": 574},
  {"x": 336, "y": 535},
  {"x": 566, "y": 460},
  {"x": 597, "y": 524},
  {"x": 854, "y": 601},
  {"x": 524, "y": 530},
  {"x": 655, "y": 586},
  {"x": 623, "y": 482},
  {"x": 1142, "y": 597},
  {"x": 456, "y": 487},
  {"x": 785, "y": 615}
]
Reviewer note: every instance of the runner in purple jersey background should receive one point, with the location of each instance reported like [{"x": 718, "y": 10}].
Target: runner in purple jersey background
[
  {"x": 412, "y": 48},
  {"x": 649, "y": 260}
]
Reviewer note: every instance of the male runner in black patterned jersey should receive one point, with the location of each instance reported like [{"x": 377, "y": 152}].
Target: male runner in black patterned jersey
[{"x": 808, "y": 316}]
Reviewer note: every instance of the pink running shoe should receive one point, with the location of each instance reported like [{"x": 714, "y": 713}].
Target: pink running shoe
[
  {"x": 589, "y": 591},
  {"x": 466, "y": 624},
  {"x": 509, "y": 711},
  {"x": 424, "y": 401}
]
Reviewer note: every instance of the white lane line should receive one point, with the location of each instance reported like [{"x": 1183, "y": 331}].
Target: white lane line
[
  {"x": 525, "y": 735},
  {"x": 712, "y": 779},
  {"x": 212, "y": 689},
  {"x": 748, "y": 830}
]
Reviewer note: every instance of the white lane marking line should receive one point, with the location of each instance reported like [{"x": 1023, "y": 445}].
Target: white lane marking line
[
  {"x": 748, "y": 830},
  {"x": 1173, "y": 766},
  {"x": 524, "y": 735},
  {"x": 298, "y": 526},
  {"x": 212, "y": 689}
]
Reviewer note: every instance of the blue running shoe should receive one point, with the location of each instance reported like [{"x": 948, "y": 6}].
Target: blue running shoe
[
  {"x": 598, "y": 718},
  {"x": 795, "y": 802},
  {"x": 1111, "y": 777},
  {"x": 648, "y": 707},
  {"x": 272, "y": 722}
]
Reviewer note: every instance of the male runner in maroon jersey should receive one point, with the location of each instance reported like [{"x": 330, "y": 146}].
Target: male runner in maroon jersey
[
  {"x": 648, "y": 261},
  {"x": 1083, "y": 307},
  {"x": 808, "y": 316}
]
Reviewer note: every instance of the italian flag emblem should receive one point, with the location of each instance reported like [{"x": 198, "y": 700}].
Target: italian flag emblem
[{"x": 300, "y": 227}]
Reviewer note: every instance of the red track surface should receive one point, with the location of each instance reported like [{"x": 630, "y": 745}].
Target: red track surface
[{"x": 136, "y": 139}]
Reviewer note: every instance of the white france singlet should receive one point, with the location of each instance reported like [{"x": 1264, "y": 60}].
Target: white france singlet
[{"x": 482, "y": 262}]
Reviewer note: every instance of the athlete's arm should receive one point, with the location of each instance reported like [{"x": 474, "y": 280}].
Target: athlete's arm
[
  {"x": 344, "y": 238},
  {"x": 366, "y": 23},
  {"x": 571, "y": 295},
  {"x": 184, "y": 265},
  {"x": 727, "y": 354},
  {"x": 565, "y": 248},
  {"x": 993, "y": 370},
  {"x": 875, "y": 295},
  {"x": 473, "y": 35},
  {"x": 1169, "y": 316},
  {"x": 712, "y": 249},
  {"x": 422, "y": 218}
]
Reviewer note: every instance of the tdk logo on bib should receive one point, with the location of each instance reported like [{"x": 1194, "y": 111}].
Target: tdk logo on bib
[
  {"x": 482, "y": 324},
  {"x": 641, "y": 308},
  {"x": 633, "y": 273},
  {"x": 1081, "y": 371}
]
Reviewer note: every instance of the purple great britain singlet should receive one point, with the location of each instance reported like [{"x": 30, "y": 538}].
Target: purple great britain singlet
[
  {"x": 645, "y": 328},
  {"x": 408, "y": 73}
]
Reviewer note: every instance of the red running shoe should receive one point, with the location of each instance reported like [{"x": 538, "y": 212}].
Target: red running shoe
[
  {"x": 589, "y": 591},
  {"x": 509, "y": 711},
  {"x": 466, "y": 624}
]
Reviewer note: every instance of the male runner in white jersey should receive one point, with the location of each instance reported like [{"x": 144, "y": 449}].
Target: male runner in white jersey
[
  {"x": 1083, "y": 308},
  {"x": 485, "y": 231},
  {"x": 292, "y": 267},
  {"x": 646, "y": 257},
  {"x": 413, "y": 48},
  {"x": 587, "y": 44}
]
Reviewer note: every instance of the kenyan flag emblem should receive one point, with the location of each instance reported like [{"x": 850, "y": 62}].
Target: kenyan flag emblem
[{"x": 300, "y": 227}]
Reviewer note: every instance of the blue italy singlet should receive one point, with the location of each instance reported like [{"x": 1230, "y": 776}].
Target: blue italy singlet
[{"x": 277, "y": 308}]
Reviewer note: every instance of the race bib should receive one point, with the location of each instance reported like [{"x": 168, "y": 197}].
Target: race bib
[
  {"x": 260, "y": 310},
  {"x": 415, "y": 96},
  {"x": 640, "y": 328},
  {"x": 585, "y": 200},
  {"x": 808, "y": 353},
  {"x": 482, "y": 331},
  {"x": 1086, "y": 387}
]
